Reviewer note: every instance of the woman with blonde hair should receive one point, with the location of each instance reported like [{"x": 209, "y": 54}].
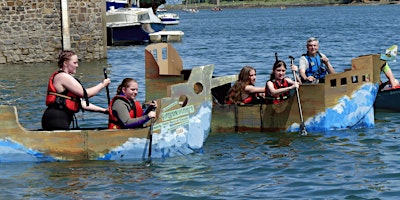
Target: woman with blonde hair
[{"x": 244, "y": 89}]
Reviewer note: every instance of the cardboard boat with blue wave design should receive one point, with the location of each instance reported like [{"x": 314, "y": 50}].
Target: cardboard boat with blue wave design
[
  {"x": 182, "y": 125},
  {"x": 345, "y": 100}
]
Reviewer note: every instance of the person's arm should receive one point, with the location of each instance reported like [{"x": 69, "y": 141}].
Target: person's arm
[
  {"x": 388, "y": 72},
  {"x": 326, "y": 62},
  {"x": 274, "y": 91},
  {"x": 253, "y": 89},
  {"x": 93, "y": 108},
  {"x": 303, "y": 64},
  {"x": 64, "y": 81},
  {"x": 121, "y": 108},
  {"x": 250, "y": 89},
  {"x": 97, "y": 88}
]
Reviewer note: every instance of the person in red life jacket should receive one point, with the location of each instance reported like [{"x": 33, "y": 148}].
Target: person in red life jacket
[
  {"x": 125, "y": 111},
  {"x": 244, "y": 89},
  {"x": 279, "y": 85},
  {"x": 64, "y": 93}
]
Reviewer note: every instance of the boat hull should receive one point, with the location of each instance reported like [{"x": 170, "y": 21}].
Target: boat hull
[
  {"x": 388, "y": 100},
  {"x": 345, "y": 100},
  {"x": 353, "y": 111},
  {"x": 131, "y": 34},
  {"x": 181, "y": 127}
]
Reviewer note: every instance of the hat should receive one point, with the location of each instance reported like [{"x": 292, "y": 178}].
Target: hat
[{"x": 390, "y": 53}]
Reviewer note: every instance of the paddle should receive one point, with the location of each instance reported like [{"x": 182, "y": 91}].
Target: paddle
[
  {"x": 302, "y": 130},
  {"x": 148, "y": 161},
  {"x": 108, "y": 91}
]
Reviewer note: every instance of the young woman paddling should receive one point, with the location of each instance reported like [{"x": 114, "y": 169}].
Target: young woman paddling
[
  {"x": 125, "y": 111},
  {"x": 64, "y": 93},
  {"x": 278, "y": 86}
]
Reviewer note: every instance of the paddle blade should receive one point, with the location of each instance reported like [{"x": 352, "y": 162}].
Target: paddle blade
[{"x": 303, "y": 131}]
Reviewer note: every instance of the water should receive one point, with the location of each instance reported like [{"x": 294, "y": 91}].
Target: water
[{"x": 348, "y": 164}]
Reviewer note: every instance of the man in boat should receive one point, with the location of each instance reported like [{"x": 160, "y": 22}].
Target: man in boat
[
  {"x": 125, "y": 111},
  {"x": 314, "y": 65},
  {"x": 244, "y": 89},
  {"x": 64, "y": 93}
]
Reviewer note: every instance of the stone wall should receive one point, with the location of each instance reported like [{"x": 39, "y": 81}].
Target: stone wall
[{"x": 31, "y": 31}]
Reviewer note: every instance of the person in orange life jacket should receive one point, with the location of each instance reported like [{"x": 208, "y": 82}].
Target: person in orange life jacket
[
  {"x": 125, "y": 111},
  {"x": 64, "y": 93},
  {"x": 311, "y": 64},
  {"x": 278, "y": 86},
  {"x": 244, "y": 89}
]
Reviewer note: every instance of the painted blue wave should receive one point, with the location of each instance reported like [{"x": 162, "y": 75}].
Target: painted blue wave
[{"x": 356, "y": 111}]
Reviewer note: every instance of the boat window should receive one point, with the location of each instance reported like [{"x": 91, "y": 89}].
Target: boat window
[
  {"x": 365, "y": 78},
  {"x": 164, "y": 53},
  {"x": 343, "y": 81},
  {"x": 144, "y": 16},
  {"x": 333, "y": 82},
  {"x": 154, "y": 52},
  {"x": 183, "y": 100},
  {"x": 198, "y": 88},
  {"x": 354, "y": 79}
]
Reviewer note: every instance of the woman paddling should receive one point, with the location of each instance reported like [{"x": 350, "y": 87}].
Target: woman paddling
[
  {"x": 125, "y": 111},
  {"x": 64, "y": 93},
  {"x": 278, "y": 86}
]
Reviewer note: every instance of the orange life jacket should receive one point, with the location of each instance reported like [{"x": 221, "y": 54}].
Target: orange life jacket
[
  {"x": 135, "y": 111},
  {"x": 275, "y": 99},
  {"x": 71, "y": 101}
]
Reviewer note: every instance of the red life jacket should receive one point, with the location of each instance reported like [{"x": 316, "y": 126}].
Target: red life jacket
[
  {"x": 135, "y": 111},
  {"x": 252, "y": 97},
  {"x": 71, "y": 101},
  {"x": 275, "y": 99}
]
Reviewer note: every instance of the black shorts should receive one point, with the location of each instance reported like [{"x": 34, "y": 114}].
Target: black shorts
[{"x": 56, "y": 119}]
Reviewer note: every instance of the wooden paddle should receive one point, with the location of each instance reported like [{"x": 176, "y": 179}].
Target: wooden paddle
[
  {"x": 302, "y": 130},
  {"x": 108, "y": 91}
]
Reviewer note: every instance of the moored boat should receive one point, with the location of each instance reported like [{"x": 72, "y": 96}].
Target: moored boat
[
  {"x": 166, "y": 36},
  {"x": 181, "y": 127},
  {"x": 131, "y": 25},
  {"x": 169, "y": 18},
  {"x": 345, "y": 100}
]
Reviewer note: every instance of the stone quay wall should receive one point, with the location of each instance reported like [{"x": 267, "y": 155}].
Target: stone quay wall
[{"x": 32, "y": 31}]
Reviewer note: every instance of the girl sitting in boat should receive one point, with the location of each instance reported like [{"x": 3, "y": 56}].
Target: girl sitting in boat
[
  {"x": 64, "y": 93},
  {"x": 279, "y": 85},
  {"x": 244, "y": 89},
  {"x": 125, "y": 111}
]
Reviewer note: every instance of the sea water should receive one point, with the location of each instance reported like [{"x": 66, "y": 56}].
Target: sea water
[{"x": 346, "y": 164}]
